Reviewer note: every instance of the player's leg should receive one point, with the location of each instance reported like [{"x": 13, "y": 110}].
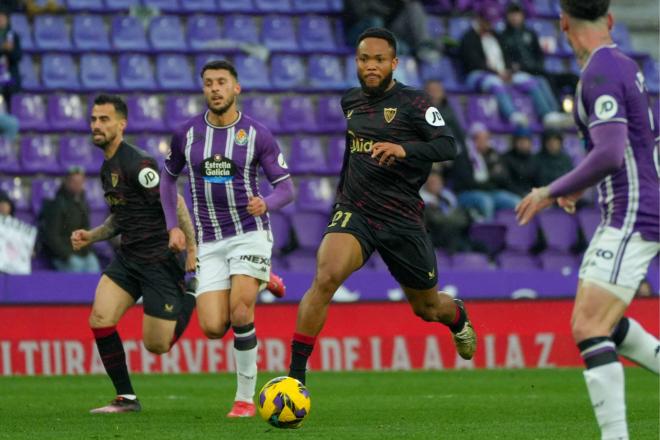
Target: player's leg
[
  {"x": 213, "y": 289},
  {"x": 636, "y": 344}
]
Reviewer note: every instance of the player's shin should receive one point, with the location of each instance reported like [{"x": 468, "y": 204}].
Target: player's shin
[
  {"x": 301, "y": 349},
  {"x": 113, "y": 357},
  {"x": 245, "y": 355},
  {"x": 187, "y": 307},
  {"x": 636, "y": 344},
  {"x": 605, "y": 383}
]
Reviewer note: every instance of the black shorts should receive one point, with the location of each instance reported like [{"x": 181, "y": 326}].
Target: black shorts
[
  {"x": 410, "y": 257},
  {"x": 161, "y": 284}
]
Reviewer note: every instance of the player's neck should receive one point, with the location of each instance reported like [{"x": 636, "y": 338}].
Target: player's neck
[
  {"x": 112, "y": 148},
  {"x": 227, "y": 118},
  {"x": 586, "y": 43}
]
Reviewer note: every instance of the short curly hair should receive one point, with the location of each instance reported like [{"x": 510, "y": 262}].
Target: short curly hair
[{"x": 590, "y": 10}]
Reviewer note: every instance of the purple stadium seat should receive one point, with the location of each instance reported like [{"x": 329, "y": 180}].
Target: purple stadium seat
[
  {"x": 8, "y": 157},
  {"x": 20, "y": 25},
  {"x": 120, "y": 5},
  {"x": 315, "y": 195},
  {"x": 173, "y": 73},
  {"x": 621, "y": 37},
  {"x": 436, "y": 27},
  {"x": 329, "y": 114},
  {"x": 164, "y": 5},
  {"x": 241, "y": 28},
  {"x": 278, "y": 33},
  {"x": 51, "y": 33},
  {"x": 517, "y": 261},
  {"x": 94, "y": 194},
  {"x": 547, "y": 8},
  {"x": 128, "y": 34},
  {"x": 30, "y": 111},
  {"x": 43, "y": 188},
  {"x": 490, "y": 235},
  {"x": 315, "y": 34},
  {"x": 157, "y": 146},
  {"x": 651, "y": 70},
  {"x": 574, "y": 147},
  {"x": 407, "y": 72},
  {"x": 471, "y": 261},
  {"x": 85, "y": 5},
  {"x": 350, "y": 71},
  {"x": 136, "y": 72},
  {"x": 457, "y": 104},
  {"x": 524, "y": 104},
  {"x": 198, "y": 6},
  {"x": 17, "y": 192},
  {"x": 559, "y": 261},
  {"x": 315, "y": 6},
  {"x": 484, "y": 108},
  {"x": 90, "y": 33},
  {"x": 559, "y": 228},
  {"x": 444, "y": 70},
  {"x": 589, "y": 219},
  {"x": 554, "y": 64},
  {"x": 287, "y": 72},
  {"x": 309, "y": 227},
  {"x": 58, "y": 71},
  {"x": 67, "y": 112},
  {"x": 166, "y": 33},
  {"x": 309, "y": 156},
  {"x": 326, "y": 73},
  {"x": 301, "y": 260},
  {"x": 264, "y": 109},
  {"x": 79, "y": 151},
  {"x": 203, "y": 32},
  {"x": 252, "y": 72},
  {"x": 29, "y": 78},
  {"x": 146, "y": 114},
  {"x": 39, "y": 155},
  {"x": 297, "y": 114},
  {"x": 235, "y": 6},
  {"x": 336, "y": 5},
  {"x": 179, "y": 109},
  {"x": 97, "y": 217},
  {"x": 518, "y": 238},
  {"x": 336, "y": 147},
  {"x": 443, "y": 261},
  {"x": 281, "y": 227},
  {"x": 269, "y": 6},
  {"x": 97, "y": 72},
  {"x": 548, "y": 34},
  {"x": 458, "y": 26}
]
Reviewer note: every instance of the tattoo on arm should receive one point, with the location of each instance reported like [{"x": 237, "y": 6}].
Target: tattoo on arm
[
  {"x": 104, "y": 231},
  {"x": 185, "y": 223}
]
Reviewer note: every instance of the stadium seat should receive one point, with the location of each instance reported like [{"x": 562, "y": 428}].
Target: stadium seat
[
  {"x": 199, "y": 6},
  {"x": 329, "y": 115},
  {"x": 325, "y": 72},
  {"x": 574, "y": 147},
  {"x": 30, "y": 81},
  {"x": 297, "y": 115},
  {"x": 444, "y": 70},
  {"x": 309, "y": 156},
  {"x": 336, "y": 148},
  {"x": 269, "y": 6},
  {"x": 315, "y": 195},
  {"x": 39, "y": 155},
  {"x": 407, "y": 72},
  {"x": 58, "y": 71},
  {"x": 90, "y": 33},
  {"x": 97, "y": 72},
  {"x": 287, "y": 72},
  {"x": 517, "y": 261},
  {"x": 621, "y": 37},
  {"x": 51, "y": 33},
  {"x": 98, "y": 216},
  {"x": 120, "y": 5},
  {"x": 179, "y": 109},
  {"x": 264, "y": 109},
  {"x": 20, "y": 25},
  {"x": 309, "y": 228},
  {"x": 484, "y": 108},
  {"x": 443, "y": 261},
  {"x": 43, "y": 188},
  {"x": 278, "y": 33},
  {"x": 77, "y": 6},
  {"x": 558, "y": 261},
  {"x": 173, "y": 73},
  {"x": 67, "y": 113},
  {"x": 518, "y": 238},
  {"x": 457, "y": 104},
  {"x": 458, "y": 26},
  {"x": 436, "y": 27},
  {"x": 589, "y": 219},
  {"x": 336, "y": 5},
  {"x": 311, "y": 6},
  {"x": 554, "y": 64},
  {"x": 136, "y": 72},
  {"x": 8, "y": 157},
  {"x": 252, "y": 72},
  {"x": 235, "y": 6},
  {"x": 203, "y": 32},
  {"x": 524, "y": 104},
  {"x": 146, "y": 114},
  {"x": 241, "y": 28},
  {"x": 281, "y": 229},
  {"x": 30, "y": 111},
  {"x": 315, "y": 34},
  {"x": 471, "y": 261},
  {"x": 559, "y": 228},
  {"x": 490, "y": 235},
  {"x": 127, "y": 33},
  {"x": 166, "y": 34},
  {"x": 547, "y": 8},
  {"x": 164, "y": 5},
  {"x": 651, "y": 70},
  {"x": 18, "y": 193},
  {"x": 156, "y": 146},
  {"x": 79, "y": 151},
  {"x": 302, "y": 260}
]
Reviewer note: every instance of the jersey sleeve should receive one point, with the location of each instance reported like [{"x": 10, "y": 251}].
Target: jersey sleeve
[
  {"x": 426, "y": 118},
  {"x": 270, "y": 157},
  {"x": 603, "y": 96},
  {"x": 176, "y": 158},
  {"x": 147, "y": 177}
]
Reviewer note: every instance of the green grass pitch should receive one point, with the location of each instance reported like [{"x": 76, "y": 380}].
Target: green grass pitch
[{"x": 480, "y": 404}]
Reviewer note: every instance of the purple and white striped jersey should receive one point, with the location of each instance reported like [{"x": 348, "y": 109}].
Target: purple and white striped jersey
[
  {"x": 612, "y": 91},
  {"x": 223, "y": 171}
]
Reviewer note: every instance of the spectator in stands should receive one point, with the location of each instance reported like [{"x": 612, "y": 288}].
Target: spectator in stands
[
  {"x": 481, "y": 178},
  {"x": 10, "y": 56},
  {"x": 6, "y": 204},
  {"x": 446, "y": 222},
  {"x": 523, "y": 51},
  {"x": 551, "y": 162},
  {"x": 436, "y": 91},
  {"x": 405, "y": 18},
  {"x": 521, "y": 162},
  {"x": 488, "y": 70},
  {"x": 8, "y": 124},
  {"x": 66, "y": 213}
]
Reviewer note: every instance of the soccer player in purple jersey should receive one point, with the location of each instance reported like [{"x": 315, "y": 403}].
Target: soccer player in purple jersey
[
  {"x": 144, "y": 266},
  {"x": 223, "y": 149},
  {"x": 394, "y": 135},
  {"x": 613, "y": 115}
]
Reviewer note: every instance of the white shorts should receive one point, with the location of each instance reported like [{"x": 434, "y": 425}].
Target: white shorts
[
  {"x": 614, "y": 258},
  {"x": 244, "y": 254}
]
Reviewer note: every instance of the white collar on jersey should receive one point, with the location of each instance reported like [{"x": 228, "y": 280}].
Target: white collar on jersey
[
  {"x": 206, "y": 119},
  {"x": 610, "y": 46}
]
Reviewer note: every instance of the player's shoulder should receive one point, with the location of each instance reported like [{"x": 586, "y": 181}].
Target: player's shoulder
[
  {"x": 246, "y": 122},
  {"x": 609, "y": 62},
  {"x": 132, "y": 155},
  {"x": 182, "y": 128},
  {"x": 351, "y": 97}
]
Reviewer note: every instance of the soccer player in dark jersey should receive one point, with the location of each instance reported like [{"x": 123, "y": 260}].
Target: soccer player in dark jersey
[
  {"x": 394, "y": 135},
  {"x": 144, "y": 266},
  {"x": 621, "y": 136}
]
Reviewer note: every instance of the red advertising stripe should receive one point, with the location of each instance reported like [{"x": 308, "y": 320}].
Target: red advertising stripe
[{"x": 379, "y": 336}]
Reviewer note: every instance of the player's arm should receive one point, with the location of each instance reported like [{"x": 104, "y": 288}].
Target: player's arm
[
  {"x": 81, "y": 238},
  {"x": 185, "y": 223},
  {"x": 174, "y": 163}
]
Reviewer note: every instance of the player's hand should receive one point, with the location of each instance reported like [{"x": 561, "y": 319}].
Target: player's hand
[
  {"x": 387, "y": 152},
  {"x": 256, "y": 206},
  {"x": 177, "y": 240},
  {"x": 567, "y": 203},
  {"x": 535, "y": 201},
  {"x": 191, "y": 259},
  {"x": 80, "y": 238}
]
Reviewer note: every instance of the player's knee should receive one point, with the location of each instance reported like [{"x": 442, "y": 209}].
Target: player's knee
[
  {"x": 214, "y": 330},
  {"x": 241, "y": 315},
  {"x": 98, "y": 319},
  {"x": 584, "y": 328},
  {"x": 326, "y": 281},
  {"x": 157, "y": 347}
]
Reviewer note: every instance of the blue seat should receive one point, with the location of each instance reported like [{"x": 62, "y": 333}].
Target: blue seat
[
  {"x": 58, "y": 71},
  {"x": 252, "y": 72},
  {"x": 164, "y": 5},
  {"x": 198, "y": 6},
  {"x": 120, "y": 5},
  {"x": 269, "y": 6},
  {"x": 235, "y": 6},
  {"x": 264, "y": 109},
  {"x": 173, "y": 73},
  {"x": 20, "y": 25},
  {"x": 203, "y": 32},
  {"x": 407, "y": 72},
  {"x": 241, "y": 28},
  {"x": 90, "y": 33},
  {"x": 309, "y": 154},
  {"x": 278, "y": 33},
  {"x": 29, "y": 78},
  {"x": 287, "y": 72},
  {"x": 166, "y": 33},
  {"x": 136, "y": 72},
  {"x": 51, "y": 33},
  {"x": 315, "y": 34},
  {"x": 85, "y": 5},
  {"x": 97, "y": 72},
  {"x": 311, "y": 6},
  {"x": 326, "y": 73},
  {"x": 128, "y": 34}
]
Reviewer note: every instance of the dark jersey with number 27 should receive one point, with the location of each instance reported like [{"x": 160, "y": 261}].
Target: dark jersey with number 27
[
  {"x": 130, "y": 182},
  {"x": 389, "y": 195}
]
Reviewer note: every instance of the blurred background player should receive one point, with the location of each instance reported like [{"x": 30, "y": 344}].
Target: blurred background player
[
  {"x": 393, "y": 138},
  {"x": 613, "y": 114},
  {"x": 144, "y": 266},
  {"x": 223, "y": 149}
]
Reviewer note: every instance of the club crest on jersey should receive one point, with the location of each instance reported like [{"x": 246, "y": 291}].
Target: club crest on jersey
[
  {"x": 389, "y": 114},
  {"x": 114, "y": 179},
  {"x": 218, "y": 169},
  {"x": 241, "y": 137}
]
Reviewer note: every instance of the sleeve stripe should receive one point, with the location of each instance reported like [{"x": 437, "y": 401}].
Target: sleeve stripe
[
  {"x": 598, "y": 122},
  {"x": 170, "y": 172},
  {"x": 286, "y": 176}
]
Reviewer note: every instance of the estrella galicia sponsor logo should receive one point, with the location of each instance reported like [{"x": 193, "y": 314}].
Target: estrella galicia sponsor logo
[
  {"x": 605, "y": 254},
  {"x": 359, "y": 144},
  {"x": 256, "y": 259},
  {"x": 218, "y": 169}
]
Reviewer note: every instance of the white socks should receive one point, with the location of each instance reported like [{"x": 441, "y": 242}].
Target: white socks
[
  {"x": 637, "y": 344},
  {"x": 245, "y": 356},
  {"x": 606, "y": 390}
]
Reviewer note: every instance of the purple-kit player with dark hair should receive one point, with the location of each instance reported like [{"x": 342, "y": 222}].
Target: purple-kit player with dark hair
[
  {"x": 223, "y": 150},
  {"x": 613, "y": 115}
]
